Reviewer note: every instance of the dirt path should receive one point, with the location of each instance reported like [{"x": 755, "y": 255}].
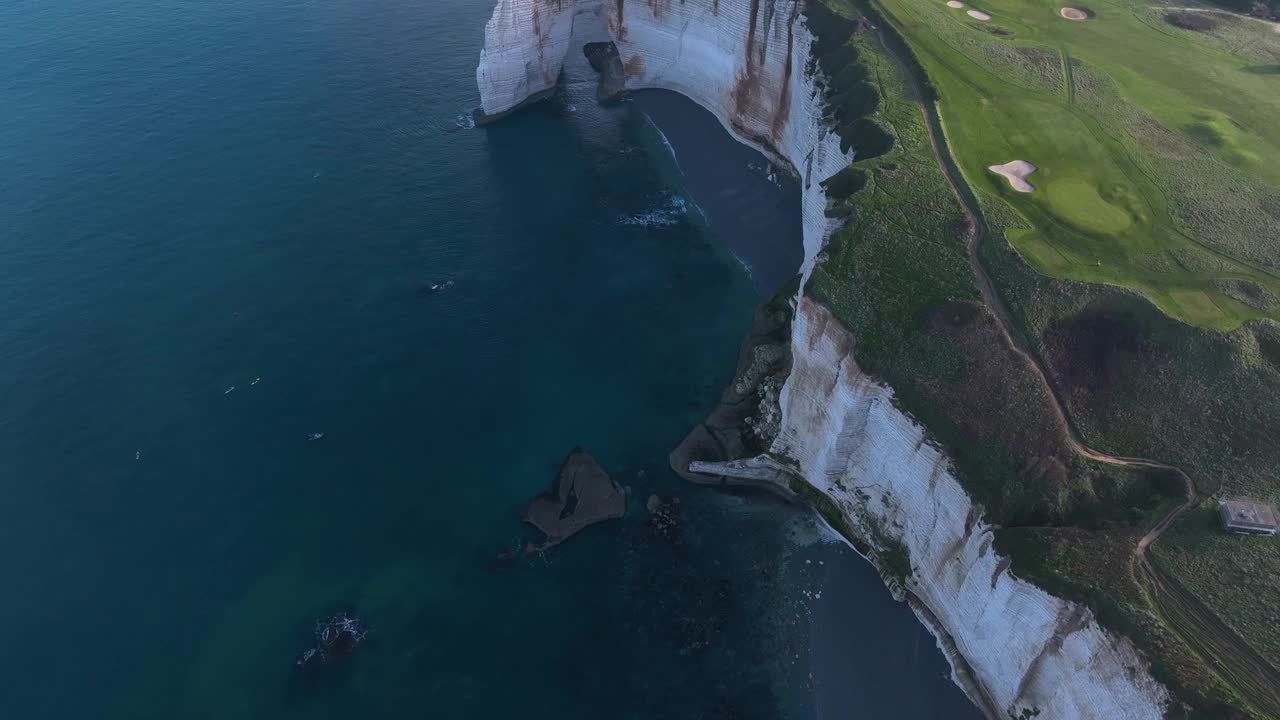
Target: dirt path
[{"x": 1231, "y": 658}]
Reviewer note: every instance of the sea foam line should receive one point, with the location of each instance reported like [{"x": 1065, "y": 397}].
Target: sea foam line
[{"x": 670, "y": 213}]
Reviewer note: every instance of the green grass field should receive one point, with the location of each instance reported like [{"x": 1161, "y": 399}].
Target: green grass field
[{"x": 1157, "y": 147}]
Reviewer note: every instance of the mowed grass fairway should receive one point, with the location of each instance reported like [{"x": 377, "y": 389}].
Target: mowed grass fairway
[{"x": 1157, "y": 148}]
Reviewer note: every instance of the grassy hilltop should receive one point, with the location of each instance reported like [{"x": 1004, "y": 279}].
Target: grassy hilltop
[
  {"x": 1140, "y": 275},
  {"x": 1157, "y": 145}
]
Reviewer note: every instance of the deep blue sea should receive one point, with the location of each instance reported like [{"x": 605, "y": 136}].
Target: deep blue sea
[{"x": 216, "y": 217}]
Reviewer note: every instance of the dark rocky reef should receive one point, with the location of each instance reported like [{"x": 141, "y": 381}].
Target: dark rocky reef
[
  {"x": 336, "y": 636},
  {"x": 583, "y": 495},
  {"x": 664, "y": 517}
]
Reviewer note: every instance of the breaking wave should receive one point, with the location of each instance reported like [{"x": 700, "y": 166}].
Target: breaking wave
[
  {"x": 663, "y": 137},
  {"x": 671, "y": 212}
]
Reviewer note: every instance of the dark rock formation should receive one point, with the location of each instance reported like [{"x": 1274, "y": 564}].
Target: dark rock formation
[
  {"x": 604, "y": 58},
  {"x": 583, "y": 495},
  {"x": 336, "y": 636},
  {"x": 664, "y": 517},
  {"x": 747, "y": 418}
]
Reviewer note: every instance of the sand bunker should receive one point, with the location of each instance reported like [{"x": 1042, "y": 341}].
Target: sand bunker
[
  {"x": 1016, "y": 173},
  {"x": 979, "y": 15},
  {"x": 1074, "y": 14},
  {"x": 955, "y": 4}
]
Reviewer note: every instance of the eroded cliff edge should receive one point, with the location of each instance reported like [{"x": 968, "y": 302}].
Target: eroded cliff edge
[{"x": 1017, "y": 650}]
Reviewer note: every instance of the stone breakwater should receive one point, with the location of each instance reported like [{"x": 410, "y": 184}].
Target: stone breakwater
[{"x": 1015, "y": 649}]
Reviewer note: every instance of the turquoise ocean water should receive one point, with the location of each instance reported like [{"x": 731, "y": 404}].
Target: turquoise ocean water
[{"x": 195, "y": 195}]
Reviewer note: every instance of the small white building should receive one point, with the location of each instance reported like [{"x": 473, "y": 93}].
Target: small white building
[{"x": 1248, "y": 517}]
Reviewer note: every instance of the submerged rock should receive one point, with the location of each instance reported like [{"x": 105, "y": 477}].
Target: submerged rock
[
  {"x": 664, "y": 517},
  {"x": 583, "y": 495},
  {"x": 335, "y": 636}
]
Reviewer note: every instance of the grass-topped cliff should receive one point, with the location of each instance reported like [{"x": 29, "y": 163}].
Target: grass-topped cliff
[{"x": 1147, "y": 338}]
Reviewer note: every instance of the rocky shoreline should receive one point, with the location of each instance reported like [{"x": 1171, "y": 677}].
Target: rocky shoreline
[{"x": 746, "y": 420}]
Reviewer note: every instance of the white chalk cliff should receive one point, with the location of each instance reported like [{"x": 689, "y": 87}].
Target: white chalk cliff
[
  {"x": 1015, "y": 647},
  {"x": 1025, "y": 649},
  {"x": 525, "y": 43}
]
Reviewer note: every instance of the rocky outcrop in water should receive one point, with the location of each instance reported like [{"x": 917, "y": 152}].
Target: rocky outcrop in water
[
  {"x": 605, "y": 60},
  {"x": 583, "y": 495},
  {"x": 746, "y": 420}
]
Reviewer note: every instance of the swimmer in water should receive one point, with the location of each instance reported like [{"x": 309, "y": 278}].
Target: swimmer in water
[{"x": 434, "y": 288}]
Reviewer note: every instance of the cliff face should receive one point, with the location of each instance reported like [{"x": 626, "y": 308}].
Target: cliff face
[
  {"x": 1015, "y": 647},
  {"x": 1026, "y": 649},
  {"x": 745, "y": 61},
  {"x": 525, "y": 43}
]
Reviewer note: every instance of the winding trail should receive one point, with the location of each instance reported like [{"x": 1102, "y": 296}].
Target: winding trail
[{"x": 1238, "y": 664}]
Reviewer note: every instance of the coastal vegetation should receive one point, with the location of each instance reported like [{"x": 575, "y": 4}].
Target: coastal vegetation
[
  {"x": 1139, "y": 273},
  {"x": 897, "y": 276}
]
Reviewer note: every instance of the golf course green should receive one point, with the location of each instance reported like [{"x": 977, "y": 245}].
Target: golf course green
[{"x": 1157, "y": 147}]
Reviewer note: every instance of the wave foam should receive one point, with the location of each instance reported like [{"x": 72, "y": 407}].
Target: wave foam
[{"x": 672, "y": 212}]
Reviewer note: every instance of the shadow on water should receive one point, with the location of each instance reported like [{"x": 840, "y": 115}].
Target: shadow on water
[{"x": 752, "y": 206}]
